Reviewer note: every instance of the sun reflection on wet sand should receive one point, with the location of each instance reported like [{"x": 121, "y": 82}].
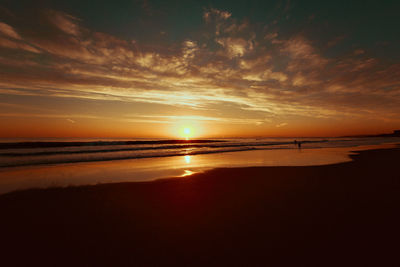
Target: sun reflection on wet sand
[
  {"x": 188, "y": 159},
  {"x": 187, "y": 173}
]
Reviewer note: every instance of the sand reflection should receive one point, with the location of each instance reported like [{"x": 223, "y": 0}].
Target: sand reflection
[{"x": 187, "y": 159}]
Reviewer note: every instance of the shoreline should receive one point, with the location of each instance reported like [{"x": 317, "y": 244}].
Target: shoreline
[
  {"x": 151, "y": 169},
  {"x": 343, "y": 213}
]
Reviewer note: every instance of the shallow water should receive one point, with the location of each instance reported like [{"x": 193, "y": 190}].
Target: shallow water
[
  {"x": 148, "y": 169},
  {"x": 55, "y": 151}
]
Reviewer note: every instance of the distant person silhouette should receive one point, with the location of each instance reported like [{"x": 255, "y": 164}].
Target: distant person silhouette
[{"x": 299, "y": 144}]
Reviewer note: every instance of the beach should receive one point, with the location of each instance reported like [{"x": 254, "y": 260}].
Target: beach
[
  {"x": 339, "y": 214},
  {"x": 199, "y": 133}
]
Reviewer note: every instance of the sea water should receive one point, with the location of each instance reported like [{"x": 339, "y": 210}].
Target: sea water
[{"x": 32, "y": 163}]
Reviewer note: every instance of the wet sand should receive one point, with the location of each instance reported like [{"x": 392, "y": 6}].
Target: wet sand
[{"x": 343, "y": 214}]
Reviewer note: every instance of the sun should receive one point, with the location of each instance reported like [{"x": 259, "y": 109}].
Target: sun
[
  {"x": 186, "y": 129},
  {"x": 187, "y": 132}
]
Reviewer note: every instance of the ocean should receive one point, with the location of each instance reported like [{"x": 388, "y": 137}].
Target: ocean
[
  {"x": 41, "y": 163},
  {"x": 23, "y": 152}
]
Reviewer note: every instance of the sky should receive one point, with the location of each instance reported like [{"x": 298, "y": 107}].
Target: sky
[{"x": 151, "y": 68}]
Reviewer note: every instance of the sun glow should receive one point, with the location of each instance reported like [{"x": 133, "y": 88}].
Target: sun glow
[
  {"x": 187, "y": 159},
  {"x": 186, "y": 132},
  {"x": 187, "y": 129}
]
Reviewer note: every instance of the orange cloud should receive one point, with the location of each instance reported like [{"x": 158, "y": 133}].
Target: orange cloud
[
  {"x": 9, "y": 31},
  {"x": 64, "y": 22},
  {"x": 17, "y": 45}
]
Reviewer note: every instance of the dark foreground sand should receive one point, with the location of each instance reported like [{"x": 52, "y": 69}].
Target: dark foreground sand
[{"x": 337, "y": 215}]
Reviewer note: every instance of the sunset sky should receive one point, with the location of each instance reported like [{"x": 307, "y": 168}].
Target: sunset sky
[{"x": 221, "y": 68}]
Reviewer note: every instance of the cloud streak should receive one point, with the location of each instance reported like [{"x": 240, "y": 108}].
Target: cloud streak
[{"x": 9, "y": 31}]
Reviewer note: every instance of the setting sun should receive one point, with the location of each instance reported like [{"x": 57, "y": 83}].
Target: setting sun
[
  {"x": 185, "y": 128},
  {"x": 187, "y": 132}
]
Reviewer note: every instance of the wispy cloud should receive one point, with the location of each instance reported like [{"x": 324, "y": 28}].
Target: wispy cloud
[
  {"x": 281, "y": 124},
  {"x": 9, "y": 31}
]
